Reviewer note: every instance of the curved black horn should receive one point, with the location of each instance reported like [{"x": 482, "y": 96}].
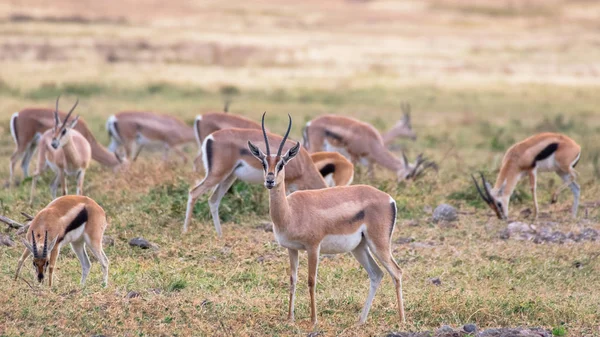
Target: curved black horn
[
  {"x": 70, "y": 112},
  {"x": 45, "y": 251},
  {"x": 265, "y": 134},
  {"x": 56, "y": 119},
  {"x": 479, "y": 190},
  {"x": 485, "y": 188},
  {"x": 34, "y": 246},
  {"x": 285, "y": 137}
]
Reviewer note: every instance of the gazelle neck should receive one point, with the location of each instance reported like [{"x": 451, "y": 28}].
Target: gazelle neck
[
  {"x": 510, "y": 174},
  {"x": 70, "y": 152},
  {"x": 279, "y": 209}
]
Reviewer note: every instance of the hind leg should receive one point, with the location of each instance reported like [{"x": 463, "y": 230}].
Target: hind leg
[
  {"x": 383, "y": 254},
  {"x": 14, "y": 158},
  {"x": 209, "y": 183},
  {"x": 567, "y": 179},
  {"x": 215, "y": 199},
  {"x": 362, "y": 254},
  {"x": 79, "y": 250}
]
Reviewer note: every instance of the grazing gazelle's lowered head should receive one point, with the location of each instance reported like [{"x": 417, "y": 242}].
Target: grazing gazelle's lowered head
[
  {"x": 544, "y": 152},
  {"x": 359, "y": 219}
]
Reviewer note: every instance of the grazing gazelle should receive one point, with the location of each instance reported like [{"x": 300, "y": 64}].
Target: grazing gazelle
[
  {"x": 26, "y": 128},
  {"x": 360, "y": 142},
  {"x": 77, "y": 220},
  {"x": 66, "y": 151},
  {"x": 358, "y": 219},
  {"x": 544, "y": 152},
  {"x": 135, "y": 129}
]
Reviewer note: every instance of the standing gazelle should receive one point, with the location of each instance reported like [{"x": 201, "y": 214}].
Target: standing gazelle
[
  {"x": 544, "y": 152},
  {"x": 360, "y": 142},
  {"x": 358, "y": 219},
  {"x": 77, "y": 220},
  {"x": 66, "y": 151}
]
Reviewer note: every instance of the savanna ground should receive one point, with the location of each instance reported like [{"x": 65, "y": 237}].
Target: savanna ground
[{"x": 479, "y": 75}]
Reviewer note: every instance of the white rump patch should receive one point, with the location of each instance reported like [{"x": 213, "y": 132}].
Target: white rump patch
[
  {"x": 342, "y": 243},
  {"x": 13, "y": 127},
  {"x": 196, "y": 131}
]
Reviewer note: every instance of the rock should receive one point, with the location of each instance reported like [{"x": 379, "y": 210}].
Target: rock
[
  {"x": 404, "y": 240},
  {"x": 412, "y": 223},
  {"x": 589, "y": 234},
  {"x": 142, "y": 243},
  {"x": 470, "y": 328},
  {"x": 108, "y": 241},
  {"x": 515, "y": 332},
  {"x": 518, "y": 231},
  {"x": 445, "y": 212},
  {"x": 6, "y": 241},
  {"x": 446, "y": 331},
  {"x": 268, "y": 226},
  {"x": 132, "y": 294},
  {"x": 428, "y": 244},
  {"x": 435, "y": 281}
]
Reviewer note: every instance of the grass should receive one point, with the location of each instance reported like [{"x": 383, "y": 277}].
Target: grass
[{"x": 196, "y": 284}]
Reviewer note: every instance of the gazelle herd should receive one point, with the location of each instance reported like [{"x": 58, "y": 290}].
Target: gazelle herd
[{"x": 312, "y": 203}]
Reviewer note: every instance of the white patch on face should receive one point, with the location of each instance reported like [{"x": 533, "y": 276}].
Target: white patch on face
[
  {"x": 248, "y": 173},
  {"x": 546, "y": 165},
  {"x": 342, "y": 243}
]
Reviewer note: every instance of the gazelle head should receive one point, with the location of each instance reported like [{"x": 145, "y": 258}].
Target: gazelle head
[
  {"x": 415, "y": 170},
  {"x": 273, "y": 165},
  {"x": 495, "y": 198},
  {"x": 40, "y": 259},
  {"x": 62, "y": 134},
  {"x": 403, "y": 127}
]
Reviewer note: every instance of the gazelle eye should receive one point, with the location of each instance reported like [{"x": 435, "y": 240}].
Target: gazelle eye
[
  {"x": 280, "y": 166},
  {"x": 64, "y": 131}
]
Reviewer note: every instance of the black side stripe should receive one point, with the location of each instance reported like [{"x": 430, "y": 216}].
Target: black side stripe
[
  {"x": 335, "y": 136},
  {"x": 116, "y": 125},
  {"x": 358, "y": 217},
  {"x": 78, "y": 221},
  {"x": 209, "y": 153},
  {"x": 327, "y": 169},
  {"x": 394, "y": 210},
  {"x": 545, "y": 153}
]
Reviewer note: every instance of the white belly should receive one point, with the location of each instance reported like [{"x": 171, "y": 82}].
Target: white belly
[
  {"x": 74, "y": 235},
  {"x": 342, "y": 150},
  {"x": 546, "y": 165},
  {"x": 341, "y": 243},
  {"x": 249, "y": 174},
  {"x": 287, "y": 243}
]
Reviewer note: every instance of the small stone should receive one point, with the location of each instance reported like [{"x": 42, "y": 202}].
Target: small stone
[
  {"x": 445, "y": 329},
  {"x": 412, "y": 223},
  {"x": 6, "y": 241},
  {"x": 445, "y": 212},
  {"x": 108, "y": 241},
  {"x": 435, "y": 281},
  {"x": 142, "y": 243},
  {"x": 268, "y": 226},
  {"x": 132, "y": 294},
  {"x": 578, "y": 265},
  {"x": 470, "y": 328},
  {"x": 260, "y": 259},
  {"x": 404, "y": 240}
]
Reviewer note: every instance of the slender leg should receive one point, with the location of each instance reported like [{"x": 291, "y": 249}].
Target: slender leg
[
  {"x": 63, "y": 178},
  {"x": 32, "y": 193},
  {"x": 533, "y": 184},
  {"x": 215, "y": 200},
  {"x": 53, "y": 256},
  {"x": 166, "y": 152},
  {"x": 293, "y": 280},
  {"x": 313, "y": 263},
  {"x": 204, "y": 186},
  {"x": 384, "y": 255},
  {"x": 95, "y": 245},
  {"x": 80, "y": 178},
  {"x": 54, "y": 186},
  {"x": 362, "y": 254},
  {"x": 181, "y": 154},
  {"x": 28, "y": 154},
  {"x": 567, "y": 178},
  {"x": 22, "y": 259},
  {"x": 13, "y": 161},
  {"x": 576, "y": 194},
  {"x": 79, "y": 250}
]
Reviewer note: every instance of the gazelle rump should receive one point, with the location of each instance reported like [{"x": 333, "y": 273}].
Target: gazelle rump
[
  {"x": 77, "y": 220},
  {"x": 334, "y": 167},
  {"x": 226, "y": 158},
  {"x": 360, "y": 142},
  {"x": 27, "y": 126},
  {"x": 66, "y": 151},
  {"x": 358, "y": 219},
  {"x": 132, "y": 130},
  {"x": 543, "y": 152}
]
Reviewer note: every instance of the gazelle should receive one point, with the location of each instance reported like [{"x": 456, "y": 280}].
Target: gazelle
[
  {"x": 544, "y": 152},
  {"x": 335, "y": 168},
  {"x": 135, "y": 129},
  {"x": 360, "y": 142},
  {"x": 77, "y": 220},
  {"x": 358, "y": 219},
  {"x": 66, "y": 151},
  {"x": 402, "y": 128},
  {"x": 26, "y": 128},
  {"x": 226, "y": 158}
]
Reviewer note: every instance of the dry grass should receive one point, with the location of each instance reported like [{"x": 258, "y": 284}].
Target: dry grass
[{"x": 477, "y": 82}]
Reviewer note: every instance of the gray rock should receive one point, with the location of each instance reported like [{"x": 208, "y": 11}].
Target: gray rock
[
  {"x": 437, "y": 282},
  {"x": 470, "y": 328},
  {"x": 268, "y": 226},
  {"x": 445, "y": 212},
  {"x": 5, "y": 240},
  {"x": 445, "y": 329},
  {"x": 132, "y": 294},
  {"x": 515, "y": 332},
  {"x": 142, "y": 243},
  {"x": 108, "y": 241},
  {"x": 404, "y": 240},
  {"x": 589, "y": 234}
]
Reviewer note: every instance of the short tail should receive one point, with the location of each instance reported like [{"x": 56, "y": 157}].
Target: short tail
[
  {"x": 305, "y": 136},
  {"x": 13, "y": 127},
  {"x": 197, "y": 130}
]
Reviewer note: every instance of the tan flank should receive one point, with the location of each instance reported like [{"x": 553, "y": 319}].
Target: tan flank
[
  {"x": 360, "y": 142},
  {"x": 544, "y": 152},
  {"x": 66, "y": 151},
  {"x": 359, "y": 219},
  {"x": 77, "y": 220},
  {"x": 132, "y": 130},
  {"x": 334, "y": 167},
  {"x": 29, "y": 124}
]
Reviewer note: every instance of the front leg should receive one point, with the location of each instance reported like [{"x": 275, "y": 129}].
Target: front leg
[
  {"x": 24, "y": 256},
  {"x": 313, "y": 263},
  {"x": 52, "y": 263},
  {"x": 533, "y": 184},
  {"x": 80, "y": 178},
  {"x": 63, "y": 179},
  {"x": 293, "y": 280}
]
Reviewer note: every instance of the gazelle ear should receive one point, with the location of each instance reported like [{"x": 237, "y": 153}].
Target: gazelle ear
[
  {"x": 256, "y": 152},
  {"x": 291, "y": 153},
  {"x": 73, "y": 122},
  {"x": 28, "y": 245},
  {"x": 52, "y": 244}
]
